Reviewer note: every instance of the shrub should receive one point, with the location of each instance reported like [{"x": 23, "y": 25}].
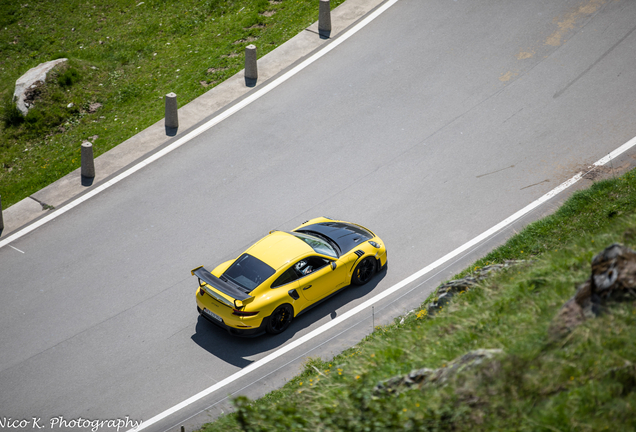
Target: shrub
[
  {"x": 34, "y": 116},
  {"x": 68, "y": 77},
  {"x": 10, "y": 114}
]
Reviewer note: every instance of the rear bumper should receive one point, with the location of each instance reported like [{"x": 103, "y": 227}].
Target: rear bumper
[{"x": 250, "y": 332}]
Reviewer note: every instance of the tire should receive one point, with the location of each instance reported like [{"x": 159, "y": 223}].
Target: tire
[
  {"x": 280, "y": 319},
  {"x": 364, "y": 271}
]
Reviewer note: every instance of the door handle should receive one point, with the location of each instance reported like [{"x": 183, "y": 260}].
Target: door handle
[{"x": 307, "y": 287}]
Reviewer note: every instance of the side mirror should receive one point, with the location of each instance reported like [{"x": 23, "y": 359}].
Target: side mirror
[{"x": 333, "y": 265}]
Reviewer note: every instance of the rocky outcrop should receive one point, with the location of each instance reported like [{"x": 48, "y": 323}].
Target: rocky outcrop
[
  {"x": 26, "y": 87},
  {"x": 425, "y": 376},
  {"x": 613, "y": 278},
  {"x": 448, "y": 290}
]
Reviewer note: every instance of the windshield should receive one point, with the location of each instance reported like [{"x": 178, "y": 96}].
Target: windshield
[
  {"x": 319, "y": 245},
  {"x": 248, "y": 272}
]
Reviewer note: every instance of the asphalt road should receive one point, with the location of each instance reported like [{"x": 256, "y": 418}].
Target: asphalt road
[{"x": 432, "y": 124}]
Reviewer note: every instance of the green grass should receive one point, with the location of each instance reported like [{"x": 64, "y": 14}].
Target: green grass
[
  {"x": 583, "y": 382},
  {"x": 125, "y": 55}
]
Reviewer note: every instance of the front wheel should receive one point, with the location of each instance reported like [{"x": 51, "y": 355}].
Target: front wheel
[
  {"x": 364, "y": 271},
  {"x": 280, "y": 319}
]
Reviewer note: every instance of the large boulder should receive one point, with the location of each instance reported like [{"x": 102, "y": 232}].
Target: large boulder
[{"x": 26, "y": 86}]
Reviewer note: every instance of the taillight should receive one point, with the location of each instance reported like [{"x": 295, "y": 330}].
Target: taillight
[{"x": 243, "y": 313}]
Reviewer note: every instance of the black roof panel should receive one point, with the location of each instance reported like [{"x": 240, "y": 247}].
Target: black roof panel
[{"x": 346, "y": 236}]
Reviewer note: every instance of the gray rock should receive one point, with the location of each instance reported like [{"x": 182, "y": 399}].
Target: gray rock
[
  {"x": 28, "y": 83},
  {"x": 444, "y": 299},
  {"x": 446, "y": 291},
  {"x": 613, "y": 278},
  {"x": 614, "y": 273},
  {"x": 420, "y": 377},
  {"x": 94, "y": 107}
]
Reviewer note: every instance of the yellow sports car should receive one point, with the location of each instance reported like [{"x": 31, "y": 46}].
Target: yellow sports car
[{"x": 285, "y": 273}]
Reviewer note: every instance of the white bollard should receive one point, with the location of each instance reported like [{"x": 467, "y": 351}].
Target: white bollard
[
  {"x": 172, "y": 116},
  {"x": 324, "y": 18},
  {"x": 251, "y": 70},
  {"x": 88, "y": 164}
]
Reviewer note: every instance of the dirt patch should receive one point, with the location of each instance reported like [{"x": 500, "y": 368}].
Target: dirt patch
[
  {"x": 609, "y": 170},
  {"x": 248, "y": 39},
  {"x": 215, "y": 70},
  {"x": 33, "y": 93},
  {"x": 595, "y": 173},
  {"x": 94, "y": 107}
]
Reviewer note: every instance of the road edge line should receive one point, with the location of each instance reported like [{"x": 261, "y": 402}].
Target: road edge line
[
  {"x": 368, "y": 303},
  {"x": 204, "y": 127}
]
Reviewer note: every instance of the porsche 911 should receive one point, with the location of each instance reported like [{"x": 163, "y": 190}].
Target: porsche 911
[{"x": 285, "y": 273}]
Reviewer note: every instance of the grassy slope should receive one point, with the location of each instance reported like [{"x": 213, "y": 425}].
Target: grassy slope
[
  {"x": 584, "y": 382},
  {"x": 125, "y": 55}
]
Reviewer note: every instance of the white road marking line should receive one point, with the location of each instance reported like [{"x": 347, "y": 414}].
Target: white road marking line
[
  {"x": 372, "y": 301},
  {"x": 204, "y": 127},
  {"x": 365, "y": 305},
  {"x": 15, "y": 249}
]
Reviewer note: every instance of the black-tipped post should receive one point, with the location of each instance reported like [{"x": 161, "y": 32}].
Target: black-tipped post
[
  {"x": 88, "y": 164},
  {"x": 1, "y": 219},
  {"x": 251, "y": 69},
  {"x": 324, "y": 19},
  {"x": 172, "y": 116}
]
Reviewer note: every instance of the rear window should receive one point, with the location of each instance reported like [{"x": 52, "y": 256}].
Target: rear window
[{"x": 248, "y": 272}]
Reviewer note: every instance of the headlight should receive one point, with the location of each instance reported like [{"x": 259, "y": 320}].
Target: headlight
[{"x": 374, "y": 244}]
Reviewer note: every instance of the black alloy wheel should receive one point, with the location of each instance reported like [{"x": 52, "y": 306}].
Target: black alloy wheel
[
  {"x": 363, "y": 272},
  {"x": 280, "y": 319}
]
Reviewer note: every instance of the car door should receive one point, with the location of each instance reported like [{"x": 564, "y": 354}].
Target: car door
[
  {"x": 319, "y": 278},
  {"x": 288, "y": 281}
]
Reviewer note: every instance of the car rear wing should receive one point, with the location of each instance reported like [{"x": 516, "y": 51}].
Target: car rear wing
[{"x": 222, "y": 286}]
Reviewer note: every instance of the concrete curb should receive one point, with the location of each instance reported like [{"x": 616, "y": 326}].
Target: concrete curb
[{"x": 218, "y": 98}]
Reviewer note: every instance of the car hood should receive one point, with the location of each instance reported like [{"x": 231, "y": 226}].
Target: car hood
[{"x": 346, "y": 236}]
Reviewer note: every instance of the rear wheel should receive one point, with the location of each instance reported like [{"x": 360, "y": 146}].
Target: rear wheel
[
  {"x": 280, "y": 319},
  {"x": 364, "y": 271}
]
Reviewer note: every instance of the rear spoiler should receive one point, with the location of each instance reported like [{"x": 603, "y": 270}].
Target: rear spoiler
[{"x": 220, "y": 285}]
